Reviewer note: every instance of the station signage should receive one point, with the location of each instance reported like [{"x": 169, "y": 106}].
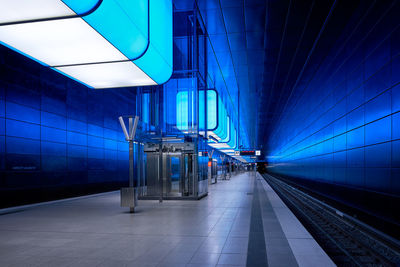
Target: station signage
[
  {"x": 250, "y": 153},
  {"x": 247, "y": 152}
]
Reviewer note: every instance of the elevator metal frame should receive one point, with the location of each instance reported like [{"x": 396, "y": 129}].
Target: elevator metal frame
[{"x": 172, "y": 171}]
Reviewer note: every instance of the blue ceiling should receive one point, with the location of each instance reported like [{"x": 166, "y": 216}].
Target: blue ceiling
[{"x": 268, "y": 51}]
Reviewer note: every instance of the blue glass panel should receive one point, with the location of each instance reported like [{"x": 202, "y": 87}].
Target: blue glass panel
[
  {"x": 339, "y": 159},
  {"x": 355, "y": 177},
  {"x": 54, "y": 105},
  {"x": 361, "y": 77},
  {"x": 182, "y": 112},
  {"x": 355, "y": 99},
  {"x": 53, "y": 163},
  {"x": 110, "y": 165},
  {"x": 76, "y": 138},
  {"x": 355, "y": 157},
  {"x": 52, "y": 134},
  {"x": 355, "y": 138},
  {"x": 396, "y": 98},
  {"x": 22, "y": 129},
  {"x": 396, "y": 126},
  {"x": 95, "y": 141},
  {"x": 2, "y": 126},
  {"x": 124, "y": 24},
  {"x": 145, "y": 108},
  {"x": 24, "y": 97},
  {"x": 95, "y": 164},
  {"x": 396, "y": 69},
  {"x": 55, "y": 149},
  {"x": 111, "y": 134},
  {"x": 95, "y": 153},
  {"x": 123, "y": 156},
  {"x": 379, "y": 57},
  {"x": 123, "y": 146},
  {"x": 378, "y": 82},
  {"x": 77, "y": 164},
  {"x": 378, "y": 155},
  {"x": 53, "y": 120},
  {"x": 377, "y": 178},
  {"x": 378, "y": 131},
  {"x": 339, "y": 175},
  {"x": 17, "y": 145},
  {"x": 22, "y": 113},
  {"x": 339, "y": 126},
  {"x": 110, "y": 144},
  {"x": 2, "y": 108},
  {"x": 110, "y": 154},
  {"x": 111, "y": 123},
  {"x": 395, "y": 154},
  {"x": 378, "y": 107},
  {"x": 355, "y": 118},
  {"x": 75, "y": 151},
  {"x": 2, "y": 144},
  {"x": 95, "y": 130},
  {"x": 76, "y": 126},
  {"x": 339, "y": 142},
  {"x": 201, "y": 110}
]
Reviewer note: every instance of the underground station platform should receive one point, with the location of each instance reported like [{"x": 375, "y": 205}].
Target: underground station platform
[{"x": 242, "y": 222}]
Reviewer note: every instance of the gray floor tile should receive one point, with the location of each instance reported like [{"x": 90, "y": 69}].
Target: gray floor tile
[
  {"x": 205, "y": 258},
  {"x": 178, "y": 257},
  {"x": 96, "y": 231},
  {"x": 232, "y": 259}
]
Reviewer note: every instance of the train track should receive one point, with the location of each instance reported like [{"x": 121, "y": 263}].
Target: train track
[{"x": 346, "y": 240}]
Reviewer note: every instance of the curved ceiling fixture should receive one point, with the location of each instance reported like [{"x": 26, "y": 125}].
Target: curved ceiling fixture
[
  {"x": 100, "y": 43},
  {"x": 217, "y": 131},
  {"x": 227, "y": 145}
]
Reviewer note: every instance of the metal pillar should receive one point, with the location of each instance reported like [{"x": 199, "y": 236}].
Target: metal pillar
[{"x": 129, "y": 194}]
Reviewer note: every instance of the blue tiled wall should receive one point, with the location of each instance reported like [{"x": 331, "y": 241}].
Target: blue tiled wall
[
  {"x": 343, "y": 125},
  {"x": 55, "y": 132}
]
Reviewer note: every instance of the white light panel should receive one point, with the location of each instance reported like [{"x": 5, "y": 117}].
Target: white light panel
[
  {"x": 219, "y": 145},
  {"x": 240, "y": 158},
  {"x": 119, "y": 74},
  {"x": 60, "y": 42},
  {"x": 212, "y": 134},
  {"x": 20, "y": 10}
]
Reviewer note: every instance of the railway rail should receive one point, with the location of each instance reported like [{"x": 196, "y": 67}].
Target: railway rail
[{"x": 347, "y": 241}]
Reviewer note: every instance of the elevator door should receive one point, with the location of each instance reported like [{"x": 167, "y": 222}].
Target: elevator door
[
  {"x": 187, "y": 174},
  {"x": 181, "y": 174},
  {"x": 175, "y": 162}
]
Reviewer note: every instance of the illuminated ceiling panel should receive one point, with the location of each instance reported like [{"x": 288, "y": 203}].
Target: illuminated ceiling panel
[
  {"x": 118, "y": 74},
  {"x": 62, "y": 48},
  {"x": 228, "y": 144},
  {"x": 212, "y": 109},
  {"x": 100, "y": 43},
  {"x": 23, "y": 10}
]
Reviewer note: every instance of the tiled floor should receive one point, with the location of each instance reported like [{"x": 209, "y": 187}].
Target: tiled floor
[{"x": 220, "y": 230}]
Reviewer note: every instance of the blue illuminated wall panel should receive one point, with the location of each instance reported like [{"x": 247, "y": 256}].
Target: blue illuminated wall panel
[
  {"x": 57, "y": 137},
  {"x": 343, "y": 125}
]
